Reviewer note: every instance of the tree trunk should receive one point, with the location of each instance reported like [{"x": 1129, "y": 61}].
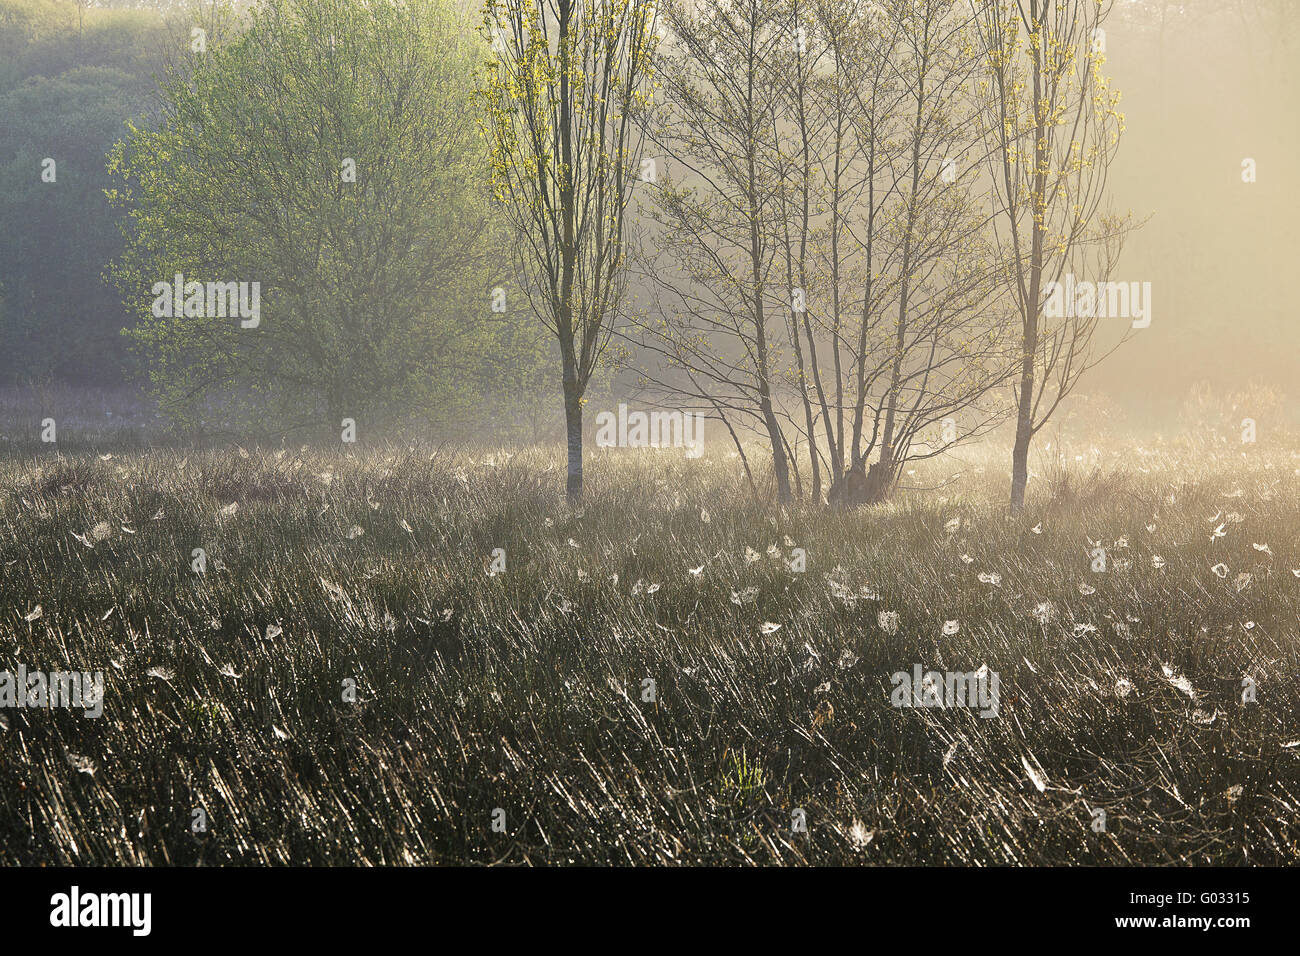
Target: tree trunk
[
  {"x": 1020, "y": 452},
  {"x": 1025, "y": 405},
  {"x": 880, "y": 482},
  {"x": 573, "y": 429},
  {"x": 1030, "y": 306},
  {"x": 779, "y": 463},
  {"x": 1024, "y": 427}
]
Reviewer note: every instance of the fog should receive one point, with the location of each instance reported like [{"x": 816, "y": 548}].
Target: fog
[{"x": 1216, "y": 85}]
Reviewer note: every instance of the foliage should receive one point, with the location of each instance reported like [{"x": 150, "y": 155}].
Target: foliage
[
  {"x": 558, "y": 100},
  {"x": 326, "y": 152}
]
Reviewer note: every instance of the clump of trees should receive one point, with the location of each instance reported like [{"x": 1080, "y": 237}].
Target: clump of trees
[
  {"x": 820, "y": 270},
  {"x": 327, "y": 151},
  {"x": 862, "y": 206},
  {"x": 831, "y": 225}
]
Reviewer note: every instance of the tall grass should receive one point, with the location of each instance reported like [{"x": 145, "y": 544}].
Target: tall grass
[{"x": 526, "y": 691}]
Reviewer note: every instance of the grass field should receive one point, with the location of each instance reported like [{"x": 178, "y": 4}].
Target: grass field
[{"x": 524, "y": 691}]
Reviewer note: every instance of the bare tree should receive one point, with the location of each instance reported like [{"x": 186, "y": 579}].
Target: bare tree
[
  {"x": 901, "y": 324},
  {"x": 824, "y": 174},
  {"x": 1053, "y": 126},
  {"x": 564, "y": 83},
  {"x": 943, "y": 353},
  {"x": 710, "y": 262}
]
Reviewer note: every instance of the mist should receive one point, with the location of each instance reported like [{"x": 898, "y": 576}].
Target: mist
[{"x": 601, "y": 433}]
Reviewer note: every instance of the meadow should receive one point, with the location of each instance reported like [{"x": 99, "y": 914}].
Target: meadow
[{"x": 666, "y": 674}]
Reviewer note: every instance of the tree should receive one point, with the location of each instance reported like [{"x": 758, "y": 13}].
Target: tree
[
  {"x": 810, "y": 237},
  {"x": 563, "y": 85},
  {"x": 1052, "y": 124},
  {"x": 711, "y": 262},
  {"x": 906, "y": 298},
  {"x": 326, "y": 152}
]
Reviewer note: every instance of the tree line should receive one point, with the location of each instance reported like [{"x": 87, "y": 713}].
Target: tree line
[
  {"x": 861, "y": 207},
  {"x": 833, "y": 226},
  {"x": 324, "y": 154},
  {"x": 69, "y": 77},
  {"x": 828, "y": 224}
]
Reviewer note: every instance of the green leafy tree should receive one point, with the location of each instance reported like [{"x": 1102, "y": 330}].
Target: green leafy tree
[
  {"x": 328, "y": 153},
  {"x": 1052, "y": 125},
  {"x": 563, "y": 84}
]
